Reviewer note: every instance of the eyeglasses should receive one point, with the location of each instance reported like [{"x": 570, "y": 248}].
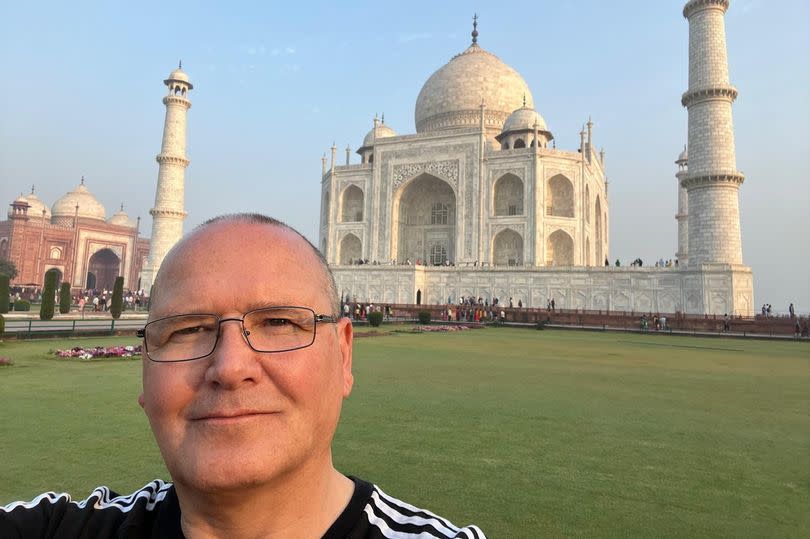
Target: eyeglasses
[{"x": 185, "y": 337}]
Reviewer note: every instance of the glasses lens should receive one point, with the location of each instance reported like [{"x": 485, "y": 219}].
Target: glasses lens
[
  {"x": 276, "y": 329},
  {"x": 178, "y": 338}
]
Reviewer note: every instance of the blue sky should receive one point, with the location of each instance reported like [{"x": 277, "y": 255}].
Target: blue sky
[{"x": 277, "y": 82}]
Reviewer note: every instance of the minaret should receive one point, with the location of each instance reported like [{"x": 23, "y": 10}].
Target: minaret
[
  {"x": 168, "y": 213},
  {"x": 712, "y": 181},
  {"x": 683, "y": 209}
]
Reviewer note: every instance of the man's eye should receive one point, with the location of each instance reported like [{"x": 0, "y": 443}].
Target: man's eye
[
  {"x": 191, "y": 330},
  {"x": 277, "y": 322}
]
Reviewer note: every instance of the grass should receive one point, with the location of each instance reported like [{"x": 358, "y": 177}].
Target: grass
[{"x": 525, "y": 433}]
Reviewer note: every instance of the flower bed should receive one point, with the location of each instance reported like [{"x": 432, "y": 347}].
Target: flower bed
[
  {"x": 100, "y": 351},
  {"x": 437, "y": 328}
]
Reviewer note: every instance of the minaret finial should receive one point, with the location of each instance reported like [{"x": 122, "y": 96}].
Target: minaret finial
[
  {"x": 475, "y": 29},
  {"x": 180, "y": 64},
  {"x": 32, "y": 189},
  {"x": 122, "y": 206},
  {"x": 383, "y": 118},
  {"x": 82, "y": 180}
]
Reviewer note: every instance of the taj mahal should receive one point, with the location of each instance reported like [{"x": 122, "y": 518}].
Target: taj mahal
[{"x": 479, "y": 202}]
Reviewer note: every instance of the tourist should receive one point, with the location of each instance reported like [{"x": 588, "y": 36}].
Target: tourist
[
  {"x": 726, "y": 323},
  {"x": 244, "y": 408},
  {"x": 792, "y": 311}
]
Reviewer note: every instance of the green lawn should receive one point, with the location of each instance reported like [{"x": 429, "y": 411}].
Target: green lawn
[{"x": 525, "y": 433}]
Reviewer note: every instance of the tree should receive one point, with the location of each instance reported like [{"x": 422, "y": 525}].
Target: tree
[
  {"x": 64, "y": 298},
  {"x": 7, "y": 267},
  {"x": 117, "y": 303},
  {"x": 48, "y": 296},
  {"x": 4, "y": 293}
]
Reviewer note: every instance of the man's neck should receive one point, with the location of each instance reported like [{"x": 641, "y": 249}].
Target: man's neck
[{"x": 304, "y": 507}]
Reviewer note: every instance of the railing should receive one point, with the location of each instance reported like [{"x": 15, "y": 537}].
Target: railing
[{"x": 26, "y": 329}]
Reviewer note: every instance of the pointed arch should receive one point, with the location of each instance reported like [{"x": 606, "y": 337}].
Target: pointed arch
[
  {"x": 598, "y": 231},
  {"x": 424, "y": 219},
  {"x": 507, "y": 248},
  {"x": 351, "y": 205},
  {"x": 507, "y": 195},
  {"x": 559, "y": 249},
  {"x": 560, "y": 196},
  {"x": 351, "y": 249},
  {"x": 588, "y": 204}
]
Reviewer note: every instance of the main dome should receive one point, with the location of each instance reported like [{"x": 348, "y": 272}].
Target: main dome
[{"x": 451, "y": 98}]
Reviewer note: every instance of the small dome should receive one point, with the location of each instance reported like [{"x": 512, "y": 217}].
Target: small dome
[
  {"x": 452, "y": 96},
  {"x": 89, "y": 206},
  {"x": 684, "y": 156},
  {"x": 19, "y": 200},
  {"x": 37, "y": 206},
  {"x": 178, "y": 75},
  {"x": 523, "y": 119},
  {"x": 380, "y": 131},
  {"x": 120, "y": 218}
]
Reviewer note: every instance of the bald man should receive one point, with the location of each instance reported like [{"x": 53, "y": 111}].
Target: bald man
[{"x": 247, "y": 362}]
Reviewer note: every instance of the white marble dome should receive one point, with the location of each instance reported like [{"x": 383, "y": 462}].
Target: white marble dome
[
  {"x": 684, "y": 156},
  {"x": 37, "y": 206},
  {"x": 522, "y": 119},
  {"x": 89, "y": 206},
  {"x": 120, "y": 218},
  {"x": 378, "y": 132},
  {"x": 452, "y": 96}
]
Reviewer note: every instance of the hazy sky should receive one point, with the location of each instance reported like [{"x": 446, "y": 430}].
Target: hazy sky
[{"x": 276, "y": 82}]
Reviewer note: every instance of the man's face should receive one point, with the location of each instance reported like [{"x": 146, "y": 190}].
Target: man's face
[{"x": 241, "y": 418}]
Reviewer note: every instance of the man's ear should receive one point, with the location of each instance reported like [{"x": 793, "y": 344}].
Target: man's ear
[
  {"x": 141, "y": 400},
  {"x": 345, "y": 336}
]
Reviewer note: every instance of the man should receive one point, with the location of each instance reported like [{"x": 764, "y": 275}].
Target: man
[{"x": 247, "y": 364}]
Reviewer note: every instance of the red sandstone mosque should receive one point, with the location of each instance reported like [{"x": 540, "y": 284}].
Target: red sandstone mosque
[{"x": 75, "y": 238}]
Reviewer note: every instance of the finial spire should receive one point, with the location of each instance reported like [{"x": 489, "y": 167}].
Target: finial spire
[
  {"x": 524, "y": 101},
  {"x": 475, "y": 29},
  {"x": 82, "y": 180},
  {"x": 383, "y": 118},
  {"x": 180, "y": 64},
  {"x": 122, "y": 206},
  {"x": 32, "y": 189}
]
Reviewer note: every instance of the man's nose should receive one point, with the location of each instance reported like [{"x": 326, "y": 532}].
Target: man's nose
[{"x": 234, "y": 362}]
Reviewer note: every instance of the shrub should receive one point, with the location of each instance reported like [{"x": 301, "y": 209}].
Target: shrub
[
  {"x": 48, "y": 296},
  {"x": 4, "y": 292},
  {"x": 117, "y": 303},
  {"x": 424, "y": 317},
  {"x": 22, "y": 305},
  {"x": 64, "y": 298},
  {"x": 375, "y": 318},
  {"x": 5, "y": 361},
  {"x": 2, "y": 324}
]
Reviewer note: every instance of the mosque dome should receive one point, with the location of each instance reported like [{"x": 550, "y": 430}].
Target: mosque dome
[
  {"x": 120, "y": 218},
  {"x": 36, "y": 206},
  {"x": 452, "y": 96},
  {"x": 523, "y": 119},
  {"x": 89, "y": 206},
  {"x": 377, "y": 132}
]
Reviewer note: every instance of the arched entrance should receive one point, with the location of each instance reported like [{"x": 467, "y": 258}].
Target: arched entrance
[
  {"x": 104, "y": 265},
  {"x": 425, "y": 221},
  {"x": 90, "y": 283}
]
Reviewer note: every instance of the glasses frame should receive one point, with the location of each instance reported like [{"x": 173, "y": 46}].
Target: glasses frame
[{"x": 318, "y": 318}]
